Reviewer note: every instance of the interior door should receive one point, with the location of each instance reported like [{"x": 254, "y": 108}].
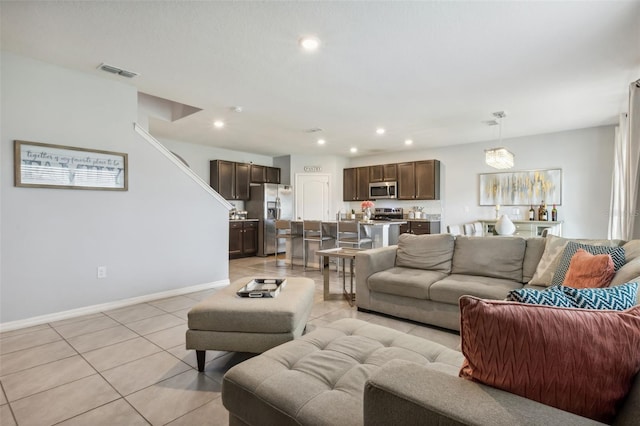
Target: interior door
[{"x": 312, "y": 196}]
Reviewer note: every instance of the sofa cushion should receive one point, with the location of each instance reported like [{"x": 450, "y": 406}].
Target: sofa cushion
[
  {"x": 553, "y": 249},
  {"x": 632, "y": 250},
  {"x": 572, "y": 247},
  {"x": 552, "y": 296},
  {"x": 433, "y": 252},
  {"x": 489, "y": 257},
  {"x": 616, "y": 298},
  {"x": 408, "y": 282},
  {"x": 532, "y": 255},
  {"x": 629, "y": 272},
  {"x": 523, "y": 349},
  {"x": 449, "y": 290}
]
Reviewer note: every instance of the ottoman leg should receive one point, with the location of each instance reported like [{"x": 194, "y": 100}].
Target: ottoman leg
[{"x": 200, "y": 355}]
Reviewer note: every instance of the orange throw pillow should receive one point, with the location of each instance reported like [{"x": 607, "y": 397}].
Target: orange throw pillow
[
  {"x": 589, "y": 271},
  {"x": 578, "y": 360}
]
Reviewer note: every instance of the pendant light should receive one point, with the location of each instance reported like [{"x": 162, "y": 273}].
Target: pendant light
[{"x": 499, "y": 158}]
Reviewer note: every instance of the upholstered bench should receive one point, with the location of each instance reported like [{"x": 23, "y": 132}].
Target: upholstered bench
[{"x": 228, "y": 322}]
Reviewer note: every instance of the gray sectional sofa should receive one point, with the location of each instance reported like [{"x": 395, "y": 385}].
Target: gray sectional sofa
[
  {"x": 351, "y": 372},
  {"x": 422, "y": 278}
]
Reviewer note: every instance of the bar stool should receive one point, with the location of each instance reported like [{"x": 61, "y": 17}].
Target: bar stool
[
  {"x": 283, "y": 233},
  {"x": 349, "y": 233},
  {"x": 454, "y": 230},
  {"x": 312, "y": 231},
  {"x": 469, "y": 229}
]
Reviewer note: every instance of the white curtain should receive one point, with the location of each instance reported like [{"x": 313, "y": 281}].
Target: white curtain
[{"x": 626, "y": 177}]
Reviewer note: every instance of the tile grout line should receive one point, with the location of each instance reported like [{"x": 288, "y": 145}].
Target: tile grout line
[
  {"x": 123, "y": 397},
  {"x": 94, "y": 369},
  {"x": 191, "y": 411},
  {"x": 63, "y": 384},
  {"x": 8, "y": 403}
]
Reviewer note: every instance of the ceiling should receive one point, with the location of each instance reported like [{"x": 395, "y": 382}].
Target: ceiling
[{"x": 428, "y": 71}]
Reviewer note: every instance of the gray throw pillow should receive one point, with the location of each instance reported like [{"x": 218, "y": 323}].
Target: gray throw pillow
[{"x": 616, "y": 253}]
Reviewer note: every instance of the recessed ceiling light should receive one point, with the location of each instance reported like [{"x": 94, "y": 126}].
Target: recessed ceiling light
[
  {"x": 310, "y": 43},
  {"x": 354, "y": 150},
  {"x": 218, "y": 124},
  {"x": 321, "y": 141},
  {"x": 408, "y": 142},
  {"x": 380, "y": 131}
]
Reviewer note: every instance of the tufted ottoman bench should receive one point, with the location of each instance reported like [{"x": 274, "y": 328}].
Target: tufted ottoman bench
[
  {"x": 227, "y": 322},
  {"x": 319, "y": 379}
]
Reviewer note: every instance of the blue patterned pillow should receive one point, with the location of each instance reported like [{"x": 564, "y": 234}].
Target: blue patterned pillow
[
  {"x": 553, "y": 296},
  {"x": 617, "y": 255},
  {"x": 616, "y": 298}
]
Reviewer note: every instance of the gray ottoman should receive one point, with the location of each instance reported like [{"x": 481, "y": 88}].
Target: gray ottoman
[
  {"x": 319, "y": 379},
  {"x": 227, "y": 322}
]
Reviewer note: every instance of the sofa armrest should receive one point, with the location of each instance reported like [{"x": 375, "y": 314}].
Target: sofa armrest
[
  {"x": 368, "y": 263},
  {"x": 402, "y": 392}
]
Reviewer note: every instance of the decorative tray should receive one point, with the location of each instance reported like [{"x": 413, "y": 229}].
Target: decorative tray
[{"x": 262, "y": 287}]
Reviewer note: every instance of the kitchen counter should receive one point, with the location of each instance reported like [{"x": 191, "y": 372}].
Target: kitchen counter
[
  {"x": 382, "y": 232},
  {"x": 370, "y": 223},
  {"x": 244, "y": 220}
]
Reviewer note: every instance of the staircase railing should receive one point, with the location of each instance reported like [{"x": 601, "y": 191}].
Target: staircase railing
[{"x": 197, "y": 179}]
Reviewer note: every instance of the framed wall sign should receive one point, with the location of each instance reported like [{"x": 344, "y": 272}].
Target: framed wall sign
[
  {"x": 521, "y": 188},
  {"x": 42, "y": 165}
]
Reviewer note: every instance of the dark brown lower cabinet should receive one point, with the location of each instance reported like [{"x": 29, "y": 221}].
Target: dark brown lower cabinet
[
  {"x": 420, "y": 227},
  {"x": 243, "y": 239}
]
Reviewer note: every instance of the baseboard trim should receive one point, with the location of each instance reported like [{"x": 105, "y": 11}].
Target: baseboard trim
[{"x": 87, "y": 310}]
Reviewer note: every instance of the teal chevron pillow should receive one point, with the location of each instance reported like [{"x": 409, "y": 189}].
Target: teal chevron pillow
[
  {"x": 553, "y": 296},
  {"x": 617, "y": 255},
  {"x": 616, "y": 298}
]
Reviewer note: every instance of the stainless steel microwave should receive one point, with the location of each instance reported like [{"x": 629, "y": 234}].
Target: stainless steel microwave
[{"x": 380, "y": 190}]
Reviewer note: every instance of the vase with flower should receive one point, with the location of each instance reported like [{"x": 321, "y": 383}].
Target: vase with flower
[{"x": 367, "y": 210}]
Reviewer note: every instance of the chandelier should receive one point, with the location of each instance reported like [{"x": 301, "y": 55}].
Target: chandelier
[{"x": 499, "y": 158}]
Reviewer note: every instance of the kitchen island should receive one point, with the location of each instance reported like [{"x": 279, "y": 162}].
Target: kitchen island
[{"x": 382, "y": 232}]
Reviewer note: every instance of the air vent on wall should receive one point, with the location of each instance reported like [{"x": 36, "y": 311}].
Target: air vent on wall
[{"x": 118, "y": 71}]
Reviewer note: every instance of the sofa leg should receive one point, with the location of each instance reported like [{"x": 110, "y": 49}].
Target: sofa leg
[{"x": 200, "y": 355}]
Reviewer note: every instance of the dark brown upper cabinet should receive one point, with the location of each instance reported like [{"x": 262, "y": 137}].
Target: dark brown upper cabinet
[
  {"x": 264, "y": 174},
  {"x": 349, "y": 185},
  {"x": 417, "y": 180},
  {"x": 230, "y": 179},
  {"x": 383, "y": 173}
]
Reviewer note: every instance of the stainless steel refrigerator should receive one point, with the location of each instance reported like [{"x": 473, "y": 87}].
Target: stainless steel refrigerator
[{"x": 270, "y": 202}]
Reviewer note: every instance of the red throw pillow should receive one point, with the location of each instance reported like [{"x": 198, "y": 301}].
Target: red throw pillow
[
  {"x": 589, "y": 271},
  {"x": 578, "y": 360}
]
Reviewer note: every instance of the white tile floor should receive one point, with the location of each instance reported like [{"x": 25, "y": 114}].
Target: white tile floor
[{"x": 129, "y": 366}]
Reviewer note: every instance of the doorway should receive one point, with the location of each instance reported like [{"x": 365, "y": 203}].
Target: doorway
[{"x": 312, "y": 196}]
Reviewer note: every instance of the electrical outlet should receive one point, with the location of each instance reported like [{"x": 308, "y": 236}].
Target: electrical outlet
[{"x": 102, "y": 272}]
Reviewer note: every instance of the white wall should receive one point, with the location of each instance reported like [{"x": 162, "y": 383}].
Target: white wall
[
  {"x": 164, "y": 233},
  {"x": 585, "y": 157}
]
